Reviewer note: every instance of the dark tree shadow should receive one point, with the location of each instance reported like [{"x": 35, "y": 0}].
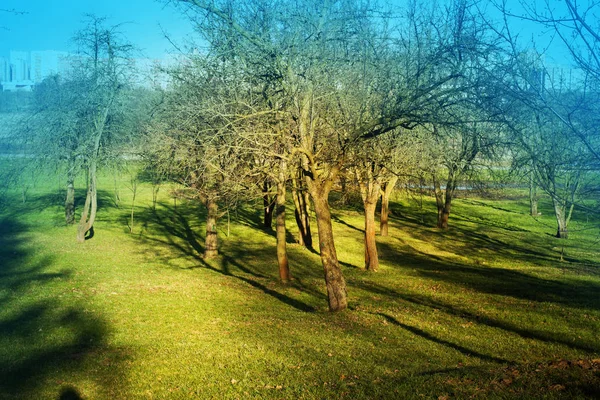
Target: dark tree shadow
[
  {"x": 428, "y": 336},
  {"x": 173, "y": 228},
  {"x": 69, "y": 393},
  {"x": 42, "y": 338},
  {"x": 424, "y": 301}
]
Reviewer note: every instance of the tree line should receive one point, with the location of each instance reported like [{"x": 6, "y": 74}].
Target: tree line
[{"x": 291, "y": 100}]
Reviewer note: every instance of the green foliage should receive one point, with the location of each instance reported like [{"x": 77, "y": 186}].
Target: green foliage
[{"x": 485, "y": 309}]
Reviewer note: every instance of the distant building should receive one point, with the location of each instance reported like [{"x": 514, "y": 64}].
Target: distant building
[
  {"x": 47, "y": 63},
  {"x": 23, "y": 70},
  {"x": 4, "y": 70},
  {"x": 15, "y": 72}
]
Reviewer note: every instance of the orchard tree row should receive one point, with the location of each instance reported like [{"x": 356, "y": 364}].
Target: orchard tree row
[{"x": 308, "y": 97}]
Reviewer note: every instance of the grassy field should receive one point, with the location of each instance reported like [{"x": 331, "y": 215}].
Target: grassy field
[{"x": 484, "y": 310}]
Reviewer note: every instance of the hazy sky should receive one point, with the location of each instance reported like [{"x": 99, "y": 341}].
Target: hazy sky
[{"x": 50, "y": 24}]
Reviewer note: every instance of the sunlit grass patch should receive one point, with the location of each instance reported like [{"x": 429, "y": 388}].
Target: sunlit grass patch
[{"x": 486, "y": 309}]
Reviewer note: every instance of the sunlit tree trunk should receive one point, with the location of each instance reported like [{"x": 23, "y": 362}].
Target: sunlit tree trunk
[
  {"x": 334, "y": 279},
  {"x": 282, "y": 257},
  {"x": 371, "y": 256},
  {"x": 439, "y": 199},
  {"x": 88, "y": 214},
  {"x": 533, "y": 199},
  {"x": 370, "y": 189},
  {"x": 561, "y": 219},
  {"x": 386, "y": 192},
  {"x": 70, "y": 198},
  {"x": 444, "y": 199},
  {"x": 268, "y": 206},
  {"x": 533, "y": 196},
  {"x": 211, "y": 241},
  {"x": 301, "y": 202}
]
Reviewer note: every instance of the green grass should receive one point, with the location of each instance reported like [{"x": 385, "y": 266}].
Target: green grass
[{"x": 484, "y": 310}]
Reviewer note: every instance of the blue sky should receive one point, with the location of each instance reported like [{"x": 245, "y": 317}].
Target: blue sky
[{"x": 50, "y": 24}]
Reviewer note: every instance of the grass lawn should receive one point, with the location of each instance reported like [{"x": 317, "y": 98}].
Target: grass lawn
[{"x": 486, "y": 309}]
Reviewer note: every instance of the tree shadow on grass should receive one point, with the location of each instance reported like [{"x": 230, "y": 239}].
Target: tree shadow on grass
[
  {"x": 337, "y": 219},
  {"x": 46, "y": 341},
  {"x": 427, "y": 302},
  {"x": 434, "y": 339},
  {"x": 172, "y": 228},
  {"x": 477, "y": 243},
  {"x": 497, "y": 281}
]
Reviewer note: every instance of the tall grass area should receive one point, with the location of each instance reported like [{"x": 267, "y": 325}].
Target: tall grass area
[{"x": 486, "y": 309}]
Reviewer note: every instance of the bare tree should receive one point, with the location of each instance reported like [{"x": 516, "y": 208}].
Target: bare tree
[
  {"x": 574, "y": 26},
  {"x": 340, "y": 76},
  {"x": 194, "y": 139},
  {"x": 100, "y": 73}
]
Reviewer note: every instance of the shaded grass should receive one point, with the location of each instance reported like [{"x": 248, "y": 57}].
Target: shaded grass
[{"x": 486, "y": 309}]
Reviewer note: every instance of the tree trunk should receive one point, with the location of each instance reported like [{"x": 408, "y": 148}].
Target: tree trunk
[
  {"x": 562, "y": 218},
  {"x": 533, "y": 198},
  {"x": 155, "y": 189},
  {"x": 439, "y": 200},
  {"x": 70, "y": 199},
  {"x": 211, "y": 242},
  {"x": 371, "y": 256},
  {"x": 134, "y": 191},
  {"x": 443, "y": 221},
  {"x": 370, "y": 189},
  {"x": 387, "y": 191},
  {"x": 268, "y": 206},
  {"x": 88, "y": 215},
  {"x": 334, "y": 280},
  {"x": 282, "y": 258},
  {"x": 344, "y": 190},
  {"x": 117, "y": 194},
  {"x": 561, "y": 232},
  {"x": 445, "y": 207},
  {"x": 301, "y": 201}
]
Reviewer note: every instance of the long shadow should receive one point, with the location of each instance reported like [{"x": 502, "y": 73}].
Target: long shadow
[
  {"x": 430, "y": 337},
  {"x": 475, "y": 242},
  {"x": 423, "y": 301},
  {"x": 498, "y": 281},
  {"x": 297, "y": 304},
  {"x": 42, "y": 338},
  {"x": 342, "y": 222},
  {"x": 253, "y": 220},
  {"x": 175, "y": 231}
]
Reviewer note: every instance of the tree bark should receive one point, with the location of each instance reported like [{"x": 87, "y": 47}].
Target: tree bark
[
  {"x": 268, "y": 206},
  {"x": 301, "y": 202},
  {"x": 334, "y": 280},
  {"x": 387, "y": 191},
  {"x": 445, "y": 215},
  {"x": 371, "y": 256},
  {"x": 444, "y": 202},
  {"x": 561, "y": 220},
  {"x": 370, "y": 189},
  {"x": 70, "y": 199},
  {"x": 88, "y": 215},
  {"x": 211, "y": 241},
  {"x": 344, "y": 190},
  {"x": 439, "y": 200},
  {"x": 282, "y": 258},
  {"x": 533, "y": 198}
]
